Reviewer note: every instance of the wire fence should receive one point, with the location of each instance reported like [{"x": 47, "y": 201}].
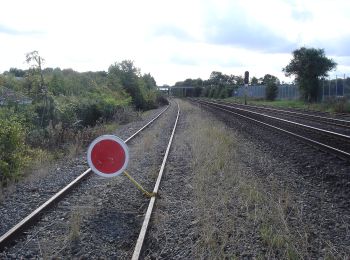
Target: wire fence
[
  {"x": 335, "y": 88},
  {"x": 329, "y": 88}
]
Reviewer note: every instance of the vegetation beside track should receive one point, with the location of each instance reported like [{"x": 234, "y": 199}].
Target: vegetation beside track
[
  {"x": 235, "y": 208},
  {"x": 332, "y": 105},
  {"x": 45, "y": 113}
]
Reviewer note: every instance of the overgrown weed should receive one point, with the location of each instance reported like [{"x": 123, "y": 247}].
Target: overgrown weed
[
  {"x": 75, "y": 225},
  {"x": 239, "y": 214}
]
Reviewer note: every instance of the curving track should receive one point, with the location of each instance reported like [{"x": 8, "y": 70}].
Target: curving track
[
  {"x": 326, "y": 140},
  {"x": 17, "y": 230}
]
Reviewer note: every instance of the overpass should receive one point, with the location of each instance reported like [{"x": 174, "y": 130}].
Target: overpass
[{"x": 180, "y": 91}]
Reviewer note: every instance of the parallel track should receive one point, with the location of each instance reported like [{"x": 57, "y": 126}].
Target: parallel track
[
  {"x": 327, "y": 120},
  {"x": 16, "y": 230},
  {"x": 325, "y": 140}
]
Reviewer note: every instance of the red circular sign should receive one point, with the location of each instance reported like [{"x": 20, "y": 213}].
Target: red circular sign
[{"x": 108, "y": 155}]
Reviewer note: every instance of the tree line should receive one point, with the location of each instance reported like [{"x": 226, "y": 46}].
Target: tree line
[
  {"x": 220, "y": 85},
  {"x": 309, "y": 66}
]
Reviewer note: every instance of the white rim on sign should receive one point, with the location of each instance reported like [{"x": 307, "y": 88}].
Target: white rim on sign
[{"x": 119, "y": 141}]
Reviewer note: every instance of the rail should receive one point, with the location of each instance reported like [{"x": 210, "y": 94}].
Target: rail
[
  {"x": 11, "y": 234},
  {"x": 141, "y": 238},
  {"x": 339, "y": 152},
  {"x": 332, "y": 121}
]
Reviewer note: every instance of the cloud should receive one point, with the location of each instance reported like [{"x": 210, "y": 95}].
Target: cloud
[
  {"x": 237, "y": 31},
  {"x": 345, "y": 61},
  {"x": 14, "y": 32},
  {"x": 338, "y": 46},
  {"x": 302, "y": 16},
  {"x": 172, "y": 31},
  {"x": 224, "y": 60},
  {"x": 183, "y": 60}
]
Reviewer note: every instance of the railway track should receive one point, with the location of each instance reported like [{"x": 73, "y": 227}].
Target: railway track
[
  {"x": 336, "y": 124},
  {"x": 329, "y": 141},
  {"x": 17, "y": 230}
]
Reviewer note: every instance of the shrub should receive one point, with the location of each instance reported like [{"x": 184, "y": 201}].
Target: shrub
[
  {"x": 12, "y": 149},
  {"x": 271, "y": 91},
  {"x": 223, "y": 93},
  {"x": 162, "y": 100}
]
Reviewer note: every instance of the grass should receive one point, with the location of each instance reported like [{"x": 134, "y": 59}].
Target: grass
[
  {"x": 44, "y": 147},
  {"x": 330, "y": 105},
  {"x": 41, "y": 161},
  {"x": 237, "y": 212},
  {"x": 75, "y": 223}
]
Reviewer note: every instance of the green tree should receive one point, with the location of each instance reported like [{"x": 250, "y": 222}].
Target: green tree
[
  {"x": 35, "y": 60},
  {"x": 254, "y": 81},
  {"x": 127, "y": 76},
  {"x": 271, "y": 82},
  {"x": 56, "y": 85},
  {"x": 142, "y": 89},
  {"x": 270, "y": 79},
  {"x": 309, "y": 65},
  {"x": 17, "y": 72},
  {"x": 149, "y": 81},
  {"x": 271, "y": 91},
  {"x": 36, "y": 77}
]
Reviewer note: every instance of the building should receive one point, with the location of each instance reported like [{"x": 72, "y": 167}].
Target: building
[{"x": 8, "y": 96}]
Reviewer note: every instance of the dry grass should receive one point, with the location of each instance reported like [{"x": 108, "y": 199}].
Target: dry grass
[
  {"x": 43, "y": 161},
  {"x": 148, "y": 150},
  {"x": 239, "y": 214},
  {"x": 75, "y": 223}
]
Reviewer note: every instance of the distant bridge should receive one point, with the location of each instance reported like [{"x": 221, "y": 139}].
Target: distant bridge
[{"x": 182, "y": 91}]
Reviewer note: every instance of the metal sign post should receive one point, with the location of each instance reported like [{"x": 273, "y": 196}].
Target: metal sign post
[
  {"x": 246, "y": 82},
  {"x": 108, "y": 156}
]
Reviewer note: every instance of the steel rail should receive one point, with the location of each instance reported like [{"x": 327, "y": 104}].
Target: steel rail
[
  {"x": 141, "y": 238},
  {"x": 340, "y": 153},
  {"x": 6, "y": 238},
  {"x": 346, "y": 137},
  {"x": 329, "y": 120}
]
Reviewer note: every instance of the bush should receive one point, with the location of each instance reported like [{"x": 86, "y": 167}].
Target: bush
[
  {"x": 12, "y": 149},
  {"x": 223, "y": 93},
  {"x": 271, "y": 91},
  {"x": 162, "y": 100}
]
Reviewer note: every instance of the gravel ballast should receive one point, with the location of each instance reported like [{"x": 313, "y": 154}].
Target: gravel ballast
[
  {"x": 39, "y": 241},
  {"x": 292, "y": 200},
  {"x": 263, "y": 195}
]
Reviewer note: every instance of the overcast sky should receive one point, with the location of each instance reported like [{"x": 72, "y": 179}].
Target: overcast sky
[{"x": 174, "y": 40}]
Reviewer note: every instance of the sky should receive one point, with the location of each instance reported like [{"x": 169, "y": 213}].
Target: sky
[{"x": 174, "y": 40}]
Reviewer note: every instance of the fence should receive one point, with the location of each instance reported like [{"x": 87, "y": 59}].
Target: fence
[
  {"x": 285, "y": 92},
  {"x": 329, "y": 88},
  {"x": 335, "y": 88}
]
